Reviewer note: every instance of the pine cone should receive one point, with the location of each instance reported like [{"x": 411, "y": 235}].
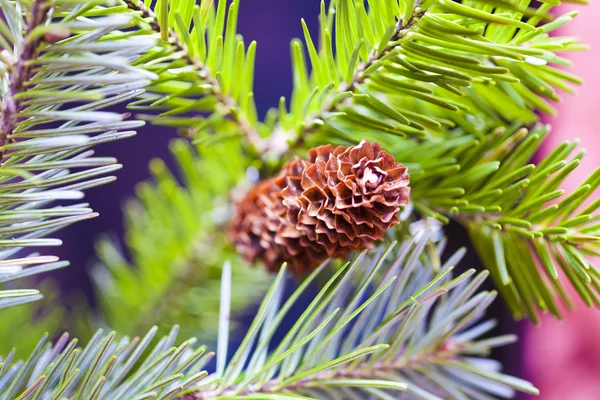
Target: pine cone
[{"x": 341, "y": 200}]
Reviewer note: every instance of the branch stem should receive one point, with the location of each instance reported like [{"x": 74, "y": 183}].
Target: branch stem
[{"x": 364, "y": 370}]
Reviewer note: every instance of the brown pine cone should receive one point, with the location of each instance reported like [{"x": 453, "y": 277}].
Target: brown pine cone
[{"x": 341, "y": 200}]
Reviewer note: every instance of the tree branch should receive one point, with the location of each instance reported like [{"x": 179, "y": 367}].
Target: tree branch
[
  {"x": 365, "y": 370},
  {"x": 278, "y": 140},
  {"x": 21, "y": 73},
  {"x": 224, "y": 100}
]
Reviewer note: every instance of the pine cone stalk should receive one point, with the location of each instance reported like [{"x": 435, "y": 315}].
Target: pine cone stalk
[{"x": 340, "y": 200}]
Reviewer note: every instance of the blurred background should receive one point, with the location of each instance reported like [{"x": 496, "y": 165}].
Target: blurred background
[{"x": 562, "y": 358}]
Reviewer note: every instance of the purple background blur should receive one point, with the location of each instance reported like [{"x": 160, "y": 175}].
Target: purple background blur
[{"x": 273, "y": 24}]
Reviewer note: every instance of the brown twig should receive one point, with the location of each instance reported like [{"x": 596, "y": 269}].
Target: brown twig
[{"x": 21, "y": 73}]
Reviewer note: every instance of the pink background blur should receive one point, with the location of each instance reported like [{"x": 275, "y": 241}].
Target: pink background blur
[{"x": 562, "y": 358}]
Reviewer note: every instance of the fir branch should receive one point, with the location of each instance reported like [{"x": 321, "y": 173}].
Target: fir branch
[
  {"x": 515, "y": 211},
  {"x": 21, "y": 73},
  {"x": 363, "y": 71},
  {"x": 382, "y": 324},
  {"x": 438, "y": 93},
  {"x": 451, "y": 68},
  {"x": 378, "y": 338},
  {"x": 364, "y": 370},
  {"x": 53, "y": 91},
  {"x": 203, "y": 73}
]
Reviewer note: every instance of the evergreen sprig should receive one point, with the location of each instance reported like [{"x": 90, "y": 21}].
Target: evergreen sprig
[
  {"x": 381, "y": 324},
  {"x": 451, "y": 89},
  {"x": 422, "y": 78},
  {"x": 516, "y": 213},
  {"x": 61, "y": 63},
  {"x": 205, "y": 69},
  {"x": 422, "y": 70}
]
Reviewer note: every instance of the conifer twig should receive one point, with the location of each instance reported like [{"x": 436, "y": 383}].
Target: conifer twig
[
  {"x": 21, "y": 73},
  {"x": 364, "y": 370},
  {"x": 279, "y": 137},
  {"x": 50, "y": 118},
  {"x": 226, "y": 101}
]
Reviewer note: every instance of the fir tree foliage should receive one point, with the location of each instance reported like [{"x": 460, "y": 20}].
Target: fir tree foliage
[
  {"x": 61, "y": 64},
  {"x": 516, "y": 213},
  {"x": 381, "y": 324},
  {"x": 423, "y": 70},
  {"x": 451, "y": 89},
  {"x": 205, "y": 69}
]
